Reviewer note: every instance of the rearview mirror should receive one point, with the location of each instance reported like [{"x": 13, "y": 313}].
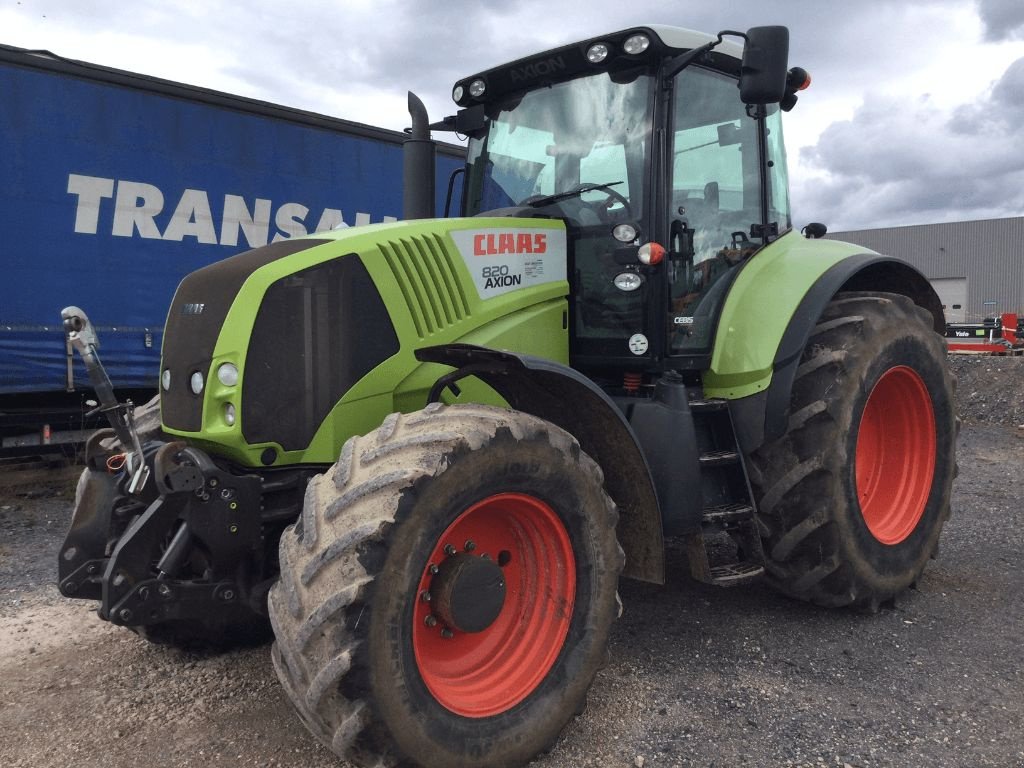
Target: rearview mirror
[
  {"x": 729, "y": 134},
  {"x": 765, "y": 64}
]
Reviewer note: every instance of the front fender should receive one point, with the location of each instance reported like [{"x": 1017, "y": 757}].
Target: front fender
[{"x": 570, "y": 400}]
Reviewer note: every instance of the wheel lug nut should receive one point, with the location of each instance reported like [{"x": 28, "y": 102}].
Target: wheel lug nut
[
  {"x": 433, "y": 569},
  {"x": 425, "y": 596},
  {"x": 430, "y": 621},
  {"x": 470, "y": 545},
  {"x": 447, "y": 634},
  {"x": 449, "y": 550}
]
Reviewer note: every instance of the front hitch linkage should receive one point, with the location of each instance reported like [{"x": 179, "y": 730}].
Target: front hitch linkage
[{"x": 82, "y": 335}]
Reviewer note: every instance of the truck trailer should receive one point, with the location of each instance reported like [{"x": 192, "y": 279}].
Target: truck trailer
[{"x": 117, "y": 185}]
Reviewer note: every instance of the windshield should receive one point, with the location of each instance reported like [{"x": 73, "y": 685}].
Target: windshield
[{"x": 591, "y": 130}]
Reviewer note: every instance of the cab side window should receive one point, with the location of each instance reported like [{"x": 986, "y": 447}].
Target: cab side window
[
  {"x": 715, "y": 180},
  {"x": 715, "y": 199}
]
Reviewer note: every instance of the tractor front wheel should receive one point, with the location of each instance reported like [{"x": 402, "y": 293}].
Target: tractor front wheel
[
  {"x": 447, "y": 595},
  {"x": 851, "y": 501}
]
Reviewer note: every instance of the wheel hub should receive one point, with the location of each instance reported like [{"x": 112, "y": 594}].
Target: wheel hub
[
  {"x": 494, "y": 604},
  {"x": 468, "y": 592}
]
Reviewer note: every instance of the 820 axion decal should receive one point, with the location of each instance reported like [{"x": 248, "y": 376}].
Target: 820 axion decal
[{"x": 507, "y": 259}]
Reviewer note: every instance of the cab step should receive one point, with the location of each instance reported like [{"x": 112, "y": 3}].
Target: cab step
[
  {"x": 732, "y": 574},
  {"x": 703, "y": 405},
  {"x": 726, "y": 551},
  {"x": 726, "y": 514},
  {"x": 719, "y": 458}
]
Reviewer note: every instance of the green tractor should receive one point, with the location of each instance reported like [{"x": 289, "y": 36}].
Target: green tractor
[{"x": 425, "y": 452}]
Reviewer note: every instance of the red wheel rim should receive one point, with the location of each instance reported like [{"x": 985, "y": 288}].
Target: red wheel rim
[
  {"x": 895, "y": 455},
  {"x": 485, "y": 673}
]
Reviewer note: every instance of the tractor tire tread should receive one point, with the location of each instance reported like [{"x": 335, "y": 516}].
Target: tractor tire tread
[
  {"x": 796, "y": 476},
  {"x": 328, "y": 565}
]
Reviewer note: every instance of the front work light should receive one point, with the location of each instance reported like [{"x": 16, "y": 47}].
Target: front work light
[
  {"x": 636, "y": 44},
  {"x": 196, "y": 383},
  {"x": 477, "y": 88},
  {"x": 597, "y": 53}
]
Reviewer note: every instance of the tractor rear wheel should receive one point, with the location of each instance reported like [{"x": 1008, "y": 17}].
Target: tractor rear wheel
[
  {"x": 447, "y": 594},
  {"x": 851, "y": 501}
]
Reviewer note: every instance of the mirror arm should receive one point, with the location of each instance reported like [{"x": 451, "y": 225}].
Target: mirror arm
[
  {"x": 683, "y": 60},
  {"x": 448, "y": 124}
]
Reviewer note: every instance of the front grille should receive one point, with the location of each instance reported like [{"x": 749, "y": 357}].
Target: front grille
[
  {"x": 426, "y": 275},
  {"x": 316, "y": 334}
]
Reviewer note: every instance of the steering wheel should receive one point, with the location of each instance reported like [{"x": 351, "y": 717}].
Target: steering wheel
[{"x": 602, "y": 207}]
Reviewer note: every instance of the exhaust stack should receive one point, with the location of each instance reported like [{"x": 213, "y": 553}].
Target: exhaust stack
[{"x": 419, "y": 152}]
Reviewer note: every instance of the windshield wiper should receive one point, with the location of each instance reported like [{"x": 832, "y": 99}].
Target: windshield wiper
[{"x": 579, "y": 189}]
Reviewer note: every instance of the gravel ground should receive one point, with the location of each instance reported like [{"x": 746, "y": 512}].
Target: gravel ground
[{"x": 698, "y": 676}]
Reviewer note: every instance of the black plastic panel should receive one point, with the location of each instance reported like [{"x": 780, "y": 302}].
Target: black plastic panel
[{"x": 316, "y": 334}]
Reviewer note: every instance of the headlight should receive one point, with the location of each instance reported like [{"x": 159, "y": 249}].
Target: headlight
[
  {"x": 477, "y": 88},
  {"x": 165, "y": 379},
  {"x": 227, "y": 374},
  {"x": 458, "y": 93},
  {"x": 196, "y": 383},
  {"x": 624, "y": 233},
  {"x": 628, "y": 281}
]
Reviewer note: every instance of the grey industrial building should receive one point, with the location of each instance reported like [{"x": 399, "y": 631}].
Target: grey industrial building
[{"x": 977, "y": 267}]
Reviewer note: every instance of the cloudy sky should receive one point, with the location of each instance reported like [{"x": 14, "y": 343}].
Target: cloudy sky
[{"x": 916, "y": 114}]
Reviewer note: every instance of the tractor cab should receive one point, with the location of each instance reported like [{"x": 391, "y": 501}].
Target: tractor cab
[{"x": 666, "y": 179}]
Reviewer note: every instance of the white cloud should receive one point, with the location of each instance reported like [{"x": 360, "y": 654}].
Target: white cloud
[
  {"x": 912, "y": 161},
  {"x": 898, "y": 84}
]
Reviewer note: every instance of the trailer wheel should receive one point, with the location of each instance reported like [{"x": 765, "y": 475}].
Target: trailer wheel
[
  {"x": 447, "y": 595},
  {"x": 851, "y": 501}
]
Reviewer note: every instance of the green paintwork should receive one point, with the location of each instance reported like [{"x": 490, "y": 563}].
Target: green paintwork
[
  {"x": 432, "y": 300},
  {"x": 759, "y": 307}
]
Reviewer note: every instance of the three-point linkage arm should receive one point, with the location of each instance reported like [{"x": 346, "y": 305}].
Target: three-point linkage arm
[{"x": 82, "y": 335}]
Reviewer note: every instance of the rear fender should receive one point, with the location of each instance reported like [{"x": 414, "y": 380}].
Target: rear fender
[
  {"x": 566, "y": 398},
  {"x": 770, "y": 314}
]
